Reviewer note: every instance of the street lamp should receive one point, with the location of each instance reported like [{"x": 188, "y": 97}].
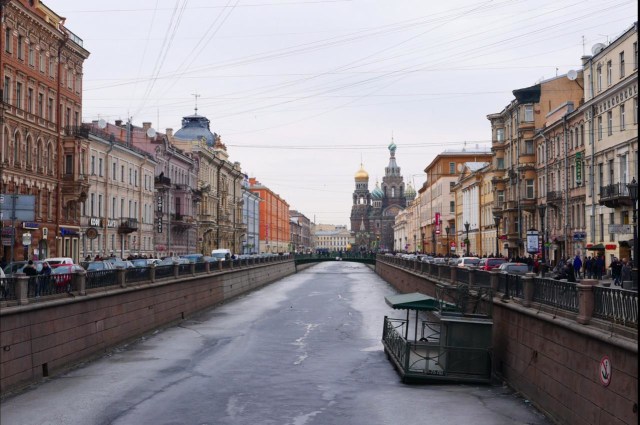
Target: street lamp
[
  {"x": 633, "y": 194},
  {"x": 466, "y": 227},
  {"x": 496, "y": 219},
  {"x": 446, "y": 229},
  {"x": 542, "y": 209}
]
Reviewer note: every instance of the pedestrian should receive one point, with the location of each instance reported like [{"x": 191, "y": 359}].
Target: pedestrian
[
  {"x": 598, "y": 267},
  {"x": 31, "y": 271},
  {"x": 616, "y": 271},
  {"x": 570, "y": 272},
  {"x": 577, "y": 266},
  {"x": 45, "y": 274}
]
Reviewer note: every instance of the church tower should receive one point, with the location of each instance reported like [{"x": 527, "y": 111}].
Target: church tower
[
  {"x": 393, "y": 182},
  {"x": 361, "y": 201}
]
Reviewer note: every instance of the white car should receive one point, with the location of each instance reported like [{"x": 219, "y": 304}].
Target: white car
[{"x": 468, "y": 262}]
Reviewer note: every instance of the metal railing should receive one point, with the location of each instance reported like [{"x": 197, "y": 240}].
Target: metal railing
[
  {"x": 101, "y": 278},
  {"x": 184, "y": 269},
  {"x": 137, "y": 274},
  {"x": 556, "y": 293},
  {"x": 617, "y": 305},
  {"x": 164, "y": 271}
]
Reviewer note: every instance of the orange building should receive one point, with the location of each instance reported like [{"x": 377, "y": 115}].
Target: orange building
[{"x": 274, "y": 219}]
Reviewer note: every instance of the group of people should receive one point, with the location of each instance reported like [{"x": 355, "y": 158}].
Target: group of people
[
  {"x": 43, "y": 281},
  {"x": 593, "y": 268}
]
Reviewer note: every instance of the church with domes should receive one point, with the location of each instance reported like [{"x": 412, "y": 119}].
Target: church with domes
[{"x": 373, "y": 212}]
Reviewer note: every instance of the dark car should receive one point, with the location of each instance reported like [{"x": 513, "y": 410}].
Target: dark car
[
  {"x": 492, "y": 263},
  {"x": 514, "y": 268}
]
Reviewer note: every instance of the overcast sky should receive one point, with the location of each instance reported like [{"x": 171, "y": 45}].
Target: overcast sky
[{"x": 303, "y": 91}]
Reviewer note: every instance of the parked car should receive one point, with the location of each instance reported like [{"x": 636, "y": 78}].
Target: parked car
[
  {"x": 18, "y": 267},
  {"x": 439, "y": 260},
  {"x": 491, "y": 263},
  {"x": 61, "y": 275},
  {"x": 168, "y": 261},
  {"x": 59, "y": 261},
  {"x": 468, "y": 262},
  {"x": 194, "y": 258},
  {"x": 514, "y": 268},
  {"x": 426, "y": 259},
  {"x": 98, "y": 265},
  {"x": 140, "y": 262},
  {"x": 221, "y": 254}
]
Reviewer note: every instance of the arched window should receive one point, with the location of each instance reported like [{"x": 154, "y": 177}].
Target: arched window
[
  {"x": 50, "y": 158},
  {"x": 16, "y": 149},
  {"x": 27, "y": 151},
  {"x": 40, "y": 158},
  {"x": 6, "y": 150}
]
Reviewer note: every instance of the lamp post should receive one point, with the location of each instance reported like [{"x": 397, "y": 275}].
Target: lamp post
[
  {"x": 496, "y": 219},
  {"x": 446, "y": 229},
  {"x": 542, "y": 209},
  {"x": 466, "y": 227},
  {"x": 633, "y": 194}
]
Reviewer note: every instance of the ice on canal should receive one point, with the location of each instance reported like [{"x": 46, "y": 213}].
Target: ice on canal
[{"x": 304, "y": 350}]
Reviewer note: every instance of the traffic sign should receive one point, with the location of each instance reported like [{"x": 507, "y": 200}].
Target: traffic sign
[{"x": 604, "y": 371}]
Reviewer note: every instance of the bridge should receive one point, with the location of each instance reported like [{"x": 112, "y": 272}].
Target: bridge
[{"x": 336, "y": 256}]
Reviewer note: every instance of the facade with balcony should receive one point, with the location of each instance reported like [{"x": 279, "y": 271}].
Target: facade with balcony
[
  {"x": 513, "y": 132},
  {"x": 611, "y": 155},
  {"x": 119, "y": 211},
  {"x": 41, "y": 66},
  {"x": 218, "y": 189},
  {"x": 438, "y": 199}
]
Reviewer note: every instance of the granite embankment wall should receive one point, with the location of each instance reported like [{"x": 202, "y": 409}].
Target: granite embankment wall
[
  {"x": 44, "y": 338},
  {"x": 551, "y": 359}
]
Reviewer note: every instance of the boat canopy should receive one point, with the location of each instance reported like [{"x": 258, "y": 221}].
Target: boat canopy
[{"x": 417, "y": 301}]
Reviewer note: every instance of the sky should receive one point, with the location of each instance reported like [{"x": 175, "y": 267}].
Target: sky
[{"x": 303, "y": 92}]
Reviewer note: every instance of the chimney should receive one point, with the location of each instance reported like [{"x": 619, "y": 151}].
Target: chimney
[
  {"x": 118, "y": 123},
  {"x": 146, "y": 126},
  {"x": 169, "y": 132}
]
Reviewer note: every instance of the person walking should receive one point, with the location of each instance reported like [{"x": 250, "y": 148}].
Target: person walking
[
  {"x": 45, "y": 274},
  {"x": 599, "y": 267},
  {"x": 31, "y": 271},
  {"x": 577, "y": 266},
  {"x": 616, "y": 271}
]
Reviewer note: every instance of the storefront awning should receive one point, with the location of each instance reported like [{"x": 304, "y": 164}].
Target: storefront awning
[{"x": 598, "y": 247}]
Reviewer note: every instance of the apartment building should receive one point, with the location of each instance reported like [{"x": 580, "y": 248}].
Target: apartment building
[
  {"x": 41, "y": 63},
  {"x": 251, "y": 218},
  {"x": 300, "y": 227},
  {"x": 275, "y": 234}
]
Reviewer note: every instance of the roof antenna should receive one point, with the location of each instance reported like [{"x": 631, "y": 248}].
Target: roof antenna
[{"x": 196, "y": 95}]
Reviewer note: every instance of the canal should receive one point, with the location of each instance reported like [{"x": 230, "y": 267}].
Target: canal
[{"x": 304, "y": 350}]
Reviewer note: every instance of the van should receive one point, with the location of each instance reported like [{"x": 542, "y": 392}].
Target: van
[{"x": 221, "y": 254}]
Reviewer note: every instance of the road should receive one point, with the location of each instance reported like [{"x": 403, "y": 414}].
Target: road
[{"x": 304, "y": 350}]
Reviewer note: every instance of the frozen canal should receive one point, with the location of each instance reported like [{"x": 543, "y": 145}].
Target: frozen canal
[{"x": 305, "y": 350}]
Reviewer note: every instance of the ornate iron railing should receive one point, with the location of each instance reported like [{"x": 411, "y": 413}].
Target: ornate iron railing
[
  {"x": 556, "y": 293},
  {"x": 101, "y": 278},
  {"x": 137, "y": 274},
  {"x": 462, "y": 275},
  {"x": 164, "y": 271},
  {"x": 617, "y": 305}
]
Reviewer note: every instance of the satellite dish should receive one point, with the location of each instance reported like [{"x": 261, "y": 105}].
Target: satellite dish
[
  {"x": 572, "y": 74},
  {"x": 102, "y": 123},
  {"x": 151, "y": 132},
  {"x": 597, "y": 48}
]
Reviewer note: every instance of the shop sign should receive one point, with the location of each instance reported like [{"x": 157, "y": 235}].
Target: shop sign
[
  {"x": 611, "y": 246},
  {"x": 68, "y": 232},
  {"x": 579, "y": 168},
  {"x": 30, "y": 225},
  {"x": 95, "y": 222},
  {"x": 112, "y": 223}
]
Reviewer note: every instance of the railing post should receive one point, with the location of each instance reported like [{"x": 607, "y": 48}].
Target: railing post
[
  {"x": 80, "y": 279},
  {"x": 192, "y": 268},
  {"x": 207, "y": 266},
  {"x": 586, "y": 300},
  {"x": 219, "y": 265},
  {"x": 22, "y": 288},
  {"x": 120, "y": 271},
  {"x": 472, "y": 277},
  {"x": 152, "y": 272},
  {"x": 493, "y": 278},
  {"x": 527, "y": 289},
  {"x": 454, "y": 274}
]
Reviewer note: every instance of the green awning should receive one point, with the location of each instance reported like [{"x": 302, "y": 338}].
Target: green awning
[
  {"x": 417, "y": 301},
  {"x": 597, "y": 247}
]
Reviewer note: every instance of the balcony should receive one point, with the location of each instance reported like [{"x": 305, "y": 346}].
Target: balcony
[
  {"x": 614, "y": 195},
  {"x": 76, "y": 131},
  {"x": 128, "y": 225},
  {"x": 554, "y": 197},
  {"x": 498, "y": 204},
  {"x": 74, "y": 187},
  {"x": 162, "y": 182},
  {"x": 181, "y": 221}
]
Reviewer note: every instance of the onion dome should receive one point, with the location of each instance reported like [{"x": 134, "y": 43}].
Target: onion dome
[
  {"x": 194, "y": 128},
  {"x": 361, "y": 174},
  {"x": 410, "y": 193},
  {"x": 377, "y": 193}
]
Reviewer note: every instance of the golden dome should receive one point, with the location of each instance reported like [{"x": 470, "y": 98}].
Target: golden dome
[{"x": 361, "y": 174}]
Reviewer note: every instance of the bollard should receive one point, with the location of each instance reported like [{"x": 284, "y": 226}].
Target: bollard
[
  {"x": 152, "y": 272},
  {"x": 120, "y": 277},
  {"x": 80, "y": 282},
  {"x": 586, "y": 300},
  {"x": 22, "y": 288},
  {"x": 527, "y": 289},
  {"x": 192, "y": 268},
  {"x": 493, "y": 277},
  {"x": 176, "y": 269}
]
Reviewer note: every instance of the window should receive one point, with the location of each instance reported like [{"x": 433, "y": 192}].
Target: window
[
  {"x": 529, "y": 191},
  {"x": 100, "y": 167},
  {"x": 32, "y": 55},
  {"x": 41, "y": 60},
  {"x": 635, "y": 110},
  {"x": 40, "y": 105},
  {"x": 609, "y": 123},
  {"x": 635, "y": 55},
  {"x": 135, "y": 178},
  {"x": 92, "y": 204},
  {"x": 500, "y": 134},
  {"x": 30, "y": 100},
  {"x": 622, "y": 123},
  {"x": 113, "y": 207},
  {"x": 20, "y": 43},
  {"x": 609, "y": 72},
  {"x": 113, "y": 171},
  {"x": 621, "y": 64},
  {"x": 452, "y": 206},
  {"x": 19, "y": 95},
  {"x": 100, "y": 205},
  {"x": 599, "y": 77},
  {"x": 528, "y": 113},
  {"x": 600, "y": 128},
  {"x": 122, "y": 173},
  {"x": 528, "y": 147},
  {"x": 452, "y": 168},
  {"x": 6, "y": 89},
  {"x": 130, "y": 176},
  {"x": 68, "y": 164},
  {"x": 7, "y": 40},
  {"x": 451, "y": 186},
  {"x": 93, "y": 165},
  {"x": 500, "y": 163},
  {"x": 52, "y": 68},
  {"x": 50, "y": 110}
]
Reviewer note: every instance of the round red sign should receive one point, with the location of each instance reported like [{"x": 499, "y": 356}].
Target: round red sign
[{"x": 604, "y": 371}]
